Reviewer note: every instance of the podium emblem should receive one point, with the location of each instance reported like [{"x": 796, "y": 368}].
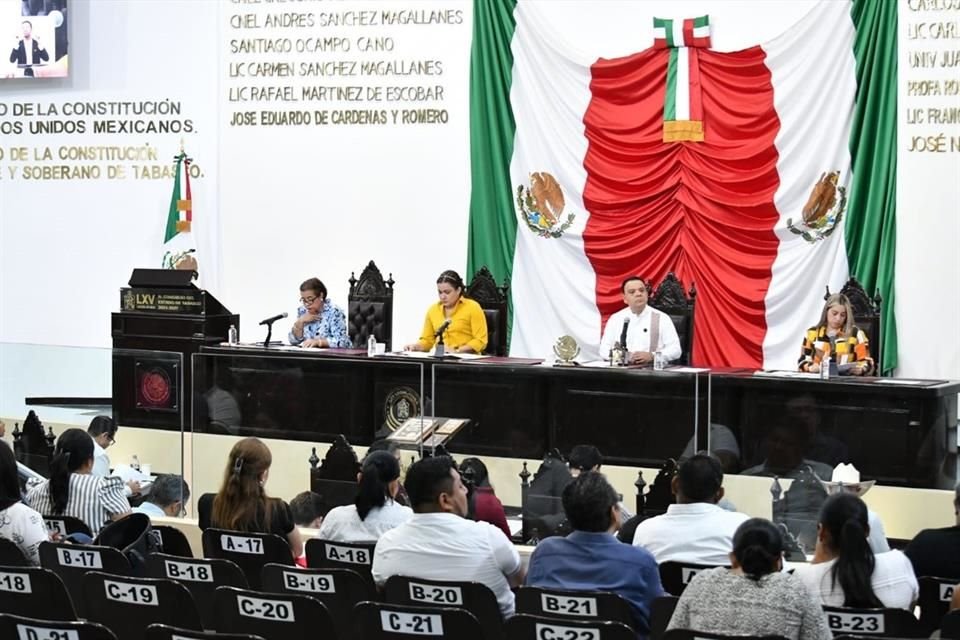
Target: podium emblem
[{"x": 401, "y": 403}]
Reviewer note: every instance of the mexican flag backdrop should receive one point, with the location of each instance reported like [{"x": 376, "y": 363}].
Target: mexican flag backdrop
[{"x": 758, "y": 176}]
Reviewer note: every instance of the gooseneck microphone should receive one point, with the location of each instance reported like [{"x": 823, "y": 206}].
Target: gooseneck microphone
[
  {"x": 442, "y": 328},
  {"x": 623, "y": 333},
  {"x": 273, "y": 319}
]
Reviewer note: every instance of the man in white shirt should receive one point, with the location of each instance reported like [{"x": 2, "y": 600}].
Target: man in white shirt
[
  {"x": 695, "y": 530},
  {"x": 103, "y": 430},
  {"x": 168, "y": 494},
  {"x": 440, "y": 543},
  {"x": 646, "y": 329}
]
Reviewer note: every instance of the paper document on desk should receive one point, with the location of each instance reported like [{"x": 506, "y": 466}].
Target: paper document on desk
[
  {"x": 127, "y": 473},
  {"x": 786, "y": 374},
  {"x": 467, "y": 356}
]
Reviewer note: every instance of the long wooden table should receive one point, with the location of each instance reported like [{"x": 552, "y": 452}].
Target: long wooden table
[{"x": 900, "y": 433}]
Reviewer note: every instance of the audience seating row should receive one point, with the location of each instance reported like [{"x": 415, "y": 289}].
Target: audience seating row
[{"x": 313, "y": 599}]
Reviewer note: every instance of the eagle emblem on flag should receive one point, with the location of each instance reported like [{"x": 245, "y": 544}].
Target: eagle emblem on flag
[
  {"x": 823, "y": 210},
  {"x": 541, "y": 206}
]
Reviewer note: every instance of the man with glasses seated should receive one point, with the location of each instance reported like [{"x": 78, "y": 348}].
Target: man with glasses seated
[
  {"x": 320, "y": 323},
  {"x": 167, "y": 496}
]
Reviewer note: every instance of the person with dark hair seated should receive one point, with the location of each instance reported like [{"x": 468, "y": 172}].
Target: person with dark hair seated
[
  {"x": 103, "y": 430},
  {"x": 483, "y": 503},
  {"x": 308, "y": 509},
  {"x": 319, "y": 323},
  {"x": 695, "y": 529},
  {"x": 753, "y": 597},
  {"x": 73, "y": 490},
  {"x": 936, "y": 552},
  {"x": 845, "y": 572},
  {"x": 168, "y": 494},
  {"x": 18, "y": 523},
  {"x": 440, "y": 543},
  {"x": 591, "y": 558},
  {"x": 374, "y": 511},
  {"x": 639, "y": 328},
  {"x": 458, "y": 319}
]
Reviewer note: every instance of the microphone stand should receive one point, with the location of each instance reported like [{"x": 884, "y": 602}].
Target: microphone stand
[
  {"x": 266, "y": 343},
  {"x": 439, "y": 351}
]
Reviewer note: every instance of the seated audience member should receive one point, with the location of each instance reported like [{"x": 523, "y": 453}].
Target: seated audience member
[
  {"x": 837, "y": 337},
  {"x": 374, "y": 511},
  {"x": 242, "y": 504},
  {"x": 695, "y": 529},
  {"x": 483, "y": 503},
  {"x": 846, "y": 479},
  {"x": 18, "y": 523},
  {"x": 936, "y": 552},
  {"x": 382, "y": 444},
  {"x": 73, "y": 490},
  {"x": 753, "y": 597},
  {"x": 591, "y": 558},
  {"x": 440, "y": 543},
  {"x": 308, "y": 509},
  {"x": 168, "y": 494},
  {"x": 845, "y": 572},
  {"x": 103, "y": 430},
  {"x": 319, "y": 323}
]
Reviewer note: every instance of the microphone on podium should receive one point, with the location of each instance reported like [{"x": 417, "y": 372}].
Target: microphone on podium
[
  {"x": 442, "y": 328},
  {"x": 623, "y": 333},
  {"x": 273, "y": 319}
]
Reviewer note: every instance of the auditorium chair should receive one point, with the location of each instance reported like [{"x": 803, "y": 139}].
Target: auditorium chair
[
  {"x": 336, "y": 477},
  {"x": 20, "y": 627},
  {"x": 873, "y": 622},
  {"x": 866, "y": 315},
  {"x": 370, "y": 307},
  {"x": 249, "y": 551},
  {"x": 493, "y": 300},
  {"x": 127, "y": 605},
  {"x": 201, "y": 577},
  {"x": 541, "y": 509},
  {"x": 11, "y": 555},
  {"x": 173, "y": 541},
  {"x": 935, "y": 595},
  {"x": 35, "y": 592},
  {"x": 661, "y": 610},
  {"x": 524, "y": 626},
  {"x": 66, "y": 525},
  {"x": 338, "y": 589},
  {"x": 675, "y": 576},
  {"x": 379, "y": 621},
  {"x": 687, "y": 634},
  {"x": 355, "y": 556},
  {"x": 474, "y": 597},
  {"x": 575, "y": 605},
  {"x": 670, "y": 298},
  {"x": 950, "y": 625},
  {"x": 272, "y": 616},
  {"x": 71, "y": 561},
  {"x": 166, "y": 632}
]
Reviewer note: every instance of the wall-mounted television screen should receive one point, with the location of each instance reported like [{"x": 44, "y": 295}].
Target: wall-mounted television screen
[{"x": 33, "y": 39}]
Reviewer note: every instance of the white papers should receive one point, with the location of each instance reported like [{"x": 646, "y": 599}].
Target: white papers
[
  {"x": 687, "y": 369},
  {"x": 901, "y": 381},
  {"x": 787, "y": 374}
]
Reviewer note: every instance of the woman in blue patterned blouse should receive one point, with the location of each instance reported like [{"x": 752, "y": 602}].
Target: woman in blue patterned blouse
[{"x": 320, "y": 323}]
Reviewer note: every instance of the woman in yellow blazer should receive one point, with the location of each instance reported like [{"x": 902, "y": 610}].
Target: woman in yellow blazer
[{"x": 467, "y": 329}]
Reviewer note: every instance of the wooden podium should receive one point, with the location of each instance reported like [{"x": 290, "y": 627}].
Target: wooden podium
[{"x": 164, "y": 319}]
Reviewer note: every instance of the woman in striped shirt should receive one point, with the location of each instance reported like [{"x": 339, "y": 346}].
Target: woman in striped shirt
[{"x": 73, "y": 491}]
